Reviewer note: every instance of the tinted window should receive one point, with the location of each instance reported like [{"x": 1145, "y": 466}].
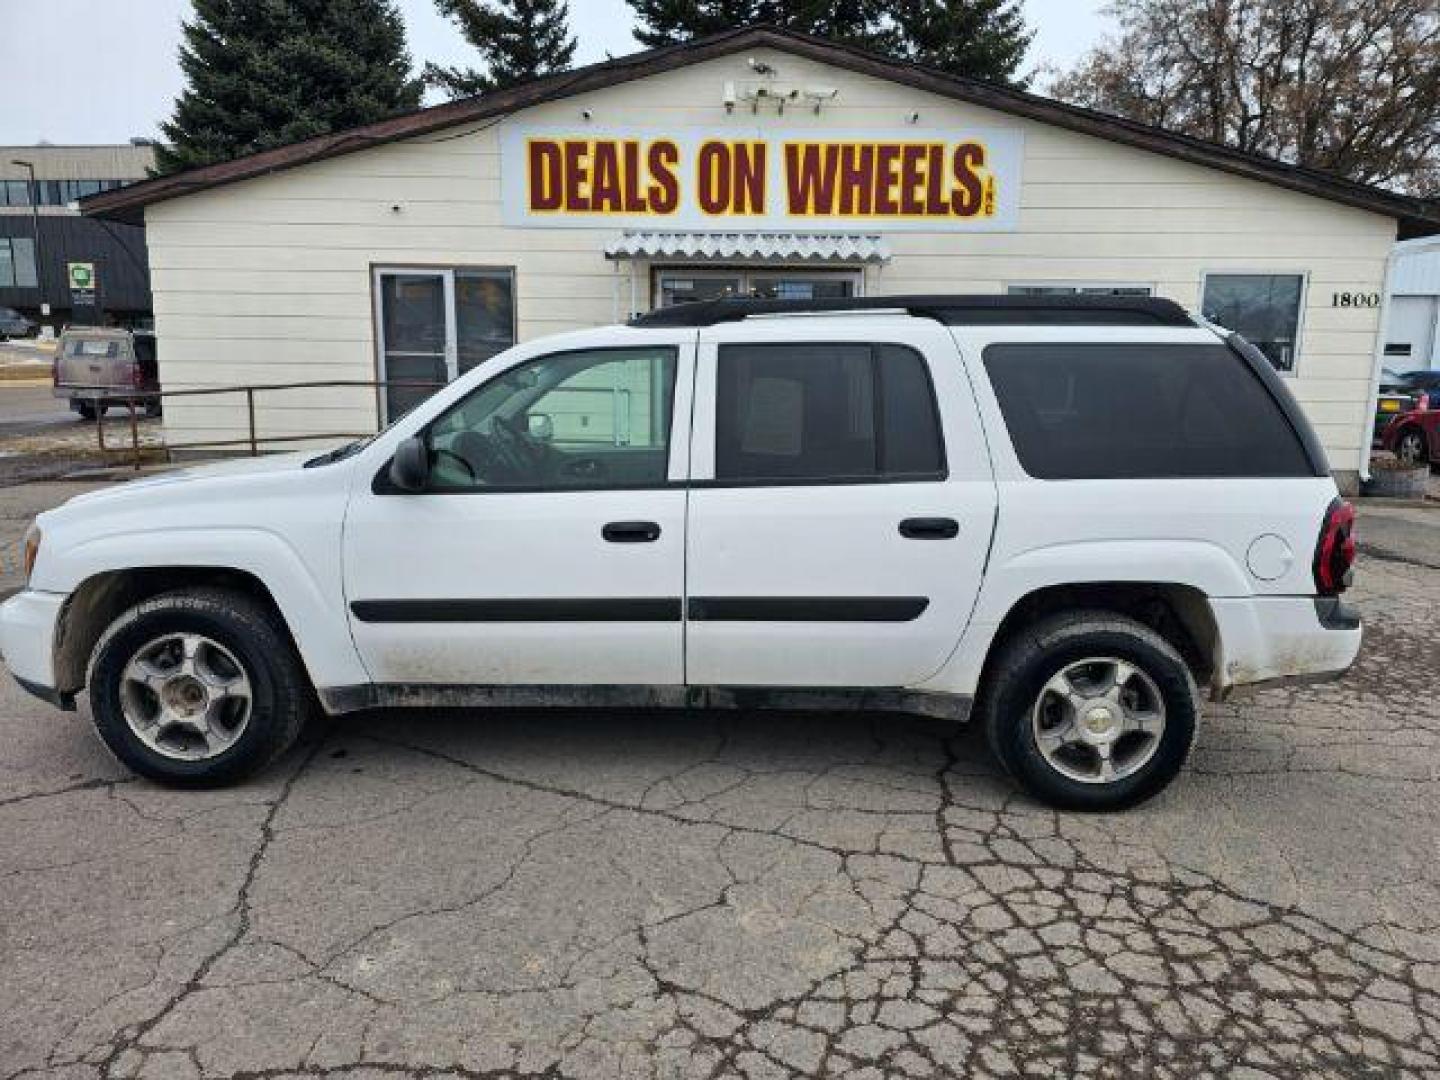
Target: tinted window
[
  {"x": 1128, "y": 411},
  {"x": 825, "y": 412}
]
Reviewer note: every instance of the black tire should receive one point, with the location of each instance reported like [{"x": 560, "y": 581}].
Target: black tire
[
  {"x": 153, "y": 407},
  {"x": 1035, "y": 654},
  {"x": 253, "y": 634},
  {"x": 89, "y": 410},
  {"x": 1416, "y": 439}
]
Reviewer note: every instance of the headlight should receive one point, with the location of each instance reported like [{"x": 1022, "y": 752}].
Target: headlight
[{"x": 32, "y": 549}]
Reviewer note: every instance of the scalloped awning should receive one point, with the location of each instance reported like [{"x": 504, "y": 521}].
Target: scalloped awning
[{"x": 750, "y": 246}]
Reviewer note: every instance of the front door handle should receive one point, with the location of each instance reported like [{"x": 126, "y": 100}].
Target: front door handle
[
  {"x": 631, "y": 532},
  {"x": 936, "y": 528}
]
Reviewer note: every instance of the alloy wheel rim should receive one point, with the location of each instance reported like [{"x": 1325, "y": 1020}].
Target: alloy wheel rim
[
  {"x": 186, "y": 697},
  {"x": 1098, "y": 720},
  {"x": 1410, "y": 448}
]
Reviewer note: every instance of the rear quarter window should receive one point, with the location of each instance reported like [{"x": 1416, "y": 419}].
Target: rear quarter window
[{"x": 1134, "y": 411}]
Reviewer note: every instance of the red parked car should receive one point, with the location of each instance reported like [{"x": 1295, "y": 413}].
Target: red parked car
[{"x": 1414, "y": 436}]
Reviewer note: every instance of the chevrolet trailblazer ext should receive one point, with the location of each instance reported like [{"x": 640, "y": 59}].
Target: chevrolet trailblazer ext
[{"x": 1071, "y": 513}]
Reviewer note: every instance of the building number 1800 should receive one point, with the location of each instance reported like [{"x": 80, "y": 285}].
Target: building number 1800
[{"x": 1355, "y": 299}]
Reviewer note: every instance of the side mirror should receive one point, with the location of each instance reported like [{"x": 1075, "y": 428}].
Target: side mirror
[
  {"x": 540, "y": 426},
  {"x": 410, "y": 467}
]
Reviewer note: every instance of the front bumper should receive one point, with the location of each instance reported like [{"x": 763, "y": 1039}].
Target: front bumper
[
  {"x": 27, "y": 640},
  {"x": 1280, "y": 640}
]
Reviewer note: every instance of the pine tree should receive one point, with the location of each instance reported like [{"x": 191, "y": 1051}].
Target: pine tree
[
  {"x": 981, "y": 39},
  {"x": 984, "y": 39},
  {"x": 263, "y": 73},
  {"x": 516, "y": 39},
  {"x": 664, "y": 22}
]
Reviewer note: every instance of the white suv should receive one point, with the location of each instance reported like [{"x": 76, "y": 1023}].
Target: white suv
[{"x": 1068, "y": 513}]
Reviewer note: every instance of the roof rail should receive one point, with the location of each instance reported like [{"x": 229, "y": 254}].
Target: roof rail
[{"x": 949, "y": 310}]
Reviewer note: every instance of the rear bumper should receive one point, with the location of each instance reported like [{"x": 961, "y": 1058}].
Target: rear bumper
[
  {"x": 27, "y": 639},
  {"x": 1280, "y": 640}
]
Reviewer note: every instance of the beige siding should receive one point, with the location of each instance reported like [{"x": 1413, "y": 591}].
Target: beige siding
[{"x": 270, "y": 279}]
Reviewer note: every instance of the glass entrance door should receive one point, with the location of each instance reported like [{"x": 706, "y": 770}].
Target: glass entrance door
[
  {"x": 435, "y": 325},
  {"x": 680, "y": 286},
  {"x": 413, "y": 337}
]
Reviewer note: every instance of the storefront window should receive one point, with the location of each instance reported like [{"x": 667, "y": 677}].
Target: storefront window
[
  {"x": 687, "y": 286},
  {"x": 1080, "y": 290},
  {"x": 1262, "y": 308},
  {"x": 484, "y": 316}
]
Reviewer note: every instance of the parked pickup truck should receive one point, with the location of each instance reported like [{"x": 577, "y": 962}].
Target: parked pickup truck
[
  {"x": 1067, "y": 516},
  {"x": 97, "y": 367}
]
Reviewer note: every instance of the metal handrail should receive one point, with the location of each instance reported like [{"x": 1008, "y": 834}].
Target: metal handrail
[{"x": 137, "y": 399}]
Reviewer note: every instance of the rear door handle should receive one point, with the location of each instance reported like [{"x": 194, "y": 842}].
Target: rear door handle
[
  {"x": 631, "y": 532},
  {"x": 936, "y": 528}
]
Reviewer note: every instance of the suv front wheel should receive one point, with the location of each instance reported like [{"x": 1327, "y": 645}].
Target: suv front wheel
[
  {"x": 1090, "y": 710},
  {"x": 197, "y": 688}
]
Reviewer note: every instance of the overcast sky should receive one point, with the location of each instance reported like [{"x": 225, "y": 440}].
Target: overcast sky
[{"x": 97, "y": 71}]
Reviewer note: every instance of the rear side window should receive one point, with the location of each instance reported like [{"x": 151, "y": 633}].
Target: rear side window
[
  {"x": 1101, "y": 412},
  {"x": 825, "y": 412}
]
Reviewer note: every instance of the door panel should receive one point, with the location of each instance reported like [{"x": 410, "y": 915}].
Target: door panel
[
  {"x": 811, "y": 581},
  {"x": 562, "y": 575},
  {"x": 516, "y": 588}
]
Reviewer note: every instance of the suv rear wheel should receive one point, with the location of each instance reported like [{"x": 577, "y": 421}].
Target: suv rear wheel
[
  {"x": 197, "y": 688},
  {"x": 1090, "y": 710}
]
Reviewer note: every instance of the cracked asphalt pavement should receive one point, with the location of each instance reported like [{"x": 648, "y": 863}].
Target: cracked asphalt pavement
[{"x": 578, "y": 895}]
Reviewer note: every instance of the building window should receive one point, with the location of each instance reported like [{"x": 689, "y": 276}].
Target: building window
[
  {"x": 803, "y": 413},
  {"x": 1086, "y": 289},
  {"x": 53, "y": 192},
  {"x": 685, "y": 286},
  {"x": 1262, "y": 308},
  {"x": 17, "y": 263}
]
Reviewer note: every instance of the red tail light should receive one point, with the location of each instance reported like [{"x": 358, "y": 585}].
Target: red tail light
[
  {"x": 1422, "y": 401},
  {"x": 1335, "y": 551},
  {"x": 137, "y": 377}
]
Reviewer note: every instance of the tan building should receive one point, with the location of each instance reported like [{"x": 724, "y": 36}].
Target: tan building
[{"x": 754, "y": 162}]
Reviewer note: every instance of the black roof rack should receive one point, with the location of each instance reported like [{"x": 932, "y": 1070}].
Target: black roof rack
[{"x": 950, "y": 310}]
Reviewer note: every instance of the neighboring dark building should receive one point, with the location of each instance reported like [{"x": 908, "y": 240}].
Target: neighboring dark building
[{"x": 31, "y": 275}]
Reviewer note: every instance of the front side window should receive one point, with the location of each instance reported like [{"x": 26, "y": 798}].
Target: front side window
[
  {"x": 825, "y": 412},
  {"x": 1131, "y": 411},
  {"x": 1262, "y": 308},
  {"x": 591, "y": 419}
]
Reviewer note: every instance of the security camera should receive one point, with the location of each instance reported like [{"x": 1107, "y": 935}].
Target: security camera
[
  {"x": 914, "y": 117},
  {"x": 818, "y": 95},
  {"x": 760, "y": 67},
  {"x": 587, "y": 114}
]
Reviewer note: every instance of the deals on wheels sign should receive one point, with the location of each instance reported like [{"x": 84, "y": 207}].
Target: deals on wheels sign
[{"x": 914, "y": 180}]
